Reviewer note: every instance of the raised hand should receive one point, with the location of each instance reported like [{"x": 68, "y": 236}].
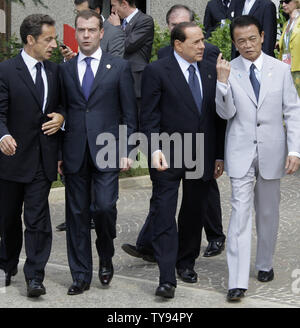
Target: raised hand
[{"x": 223, "y": 69}]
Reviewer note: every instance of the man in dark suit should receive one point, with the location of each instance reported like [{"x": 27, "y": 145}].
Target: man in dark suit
[
  {"x": 216, "y": 12},
  {"x": 139, "y": 33},
  {"x": 30, "y": 116},
  {"x": 178, "y": 97},
  {"x": 213, "y": 220},
  {"x": 112, "y": 43},
  {"x": 99, "y": 96},
  {"x": 265, "y": 12}
]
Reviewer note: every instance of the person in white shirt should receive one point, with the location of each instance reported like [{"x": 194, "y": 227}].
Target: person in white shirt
[{"x": 255, "y": 93}]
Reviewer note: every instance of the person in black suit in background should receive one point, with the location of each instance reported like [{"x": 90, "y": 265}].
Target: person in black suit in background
[
  {"x": 178, "y": 96},
  {"x": 216, "y": 12},
  {"x": 213, "y": 220},
  {"x": 139, "y": 33},
  {"x": 265, "y": 12},
  {"x": 99, "y": 96},
  {"x": 30, "y": 116}
]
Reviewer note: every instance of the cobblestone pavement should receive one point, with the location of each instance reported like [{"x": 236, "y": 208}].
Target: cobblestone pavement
[{"x": 212, "y": 272}]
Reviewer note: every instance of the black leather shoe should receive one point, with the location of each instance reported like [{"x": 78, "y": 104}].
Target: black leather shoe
[
  {"x": 214, "y": 248},
  {"x": 133, "y": 251},
  {"x": 63, "y": 226},
  {"x": 35, "y": 288},
  {"x": 106, "y": 272},
  {"x": 188, "y": 275},
  {"x": 10, "y": 274},
  {"x": 78, "y": 287},
  {"x": 265, "y": 276},
  {"x": 235, "y": 294},
  {"x": 165, "y": 290}
]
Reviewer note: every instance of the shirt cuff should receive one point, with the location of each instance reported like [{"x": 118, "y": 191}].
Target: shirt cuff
[
  {"x": 294, "y": 153},
  {"x": 223, "y": 87},
  {"x": 6, "y": 135},
  {"x": 156, "y": 151}
]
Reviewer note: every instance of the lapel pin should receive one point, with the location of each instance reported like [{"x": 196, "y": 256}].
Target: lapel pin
[
  {"x": 209, "y": 76},
  {"x": 108, "y": 66}
]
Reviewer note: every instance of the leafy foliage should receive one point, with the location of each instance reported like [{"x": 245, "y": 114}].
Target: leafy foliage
[
  {"x": 221, "y": 38},
  {"x": 9, "y": 48}
]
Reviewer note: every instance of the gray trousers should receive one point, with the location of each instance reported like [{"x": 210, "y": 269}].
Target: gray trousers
[{"x": 266, "y": 197}]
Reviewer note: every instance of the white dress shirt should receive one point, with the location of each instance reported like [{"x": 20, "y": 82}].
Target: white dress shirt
[
  {"x": 247, "y": 7},
  {"x": 30, "y": 63},
  {"x": 129, "y": 18},
  {"x": 81, "y": 63}
]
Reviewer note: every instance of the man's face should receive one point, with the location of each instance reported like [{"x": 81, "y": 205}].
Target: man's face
[
  {"x": 178, "y": 16},
  {"x": 44, "y": 45},
  {"x": 248, "y": 41},
  {"x": 192, "y": 48},
  {"x": 88, "y": 35},
  {"x": 118, "y": 8}
]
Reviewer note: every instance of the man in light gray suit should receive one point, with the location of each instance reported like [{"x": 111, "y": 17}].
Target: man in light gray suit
[{"x": 255, "y": 93}]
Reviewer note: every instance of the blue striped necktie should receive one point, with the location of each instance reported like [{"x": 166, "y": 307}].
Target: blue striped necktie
[
  {"x": 195, "y": 87},
  {"x": 254, "y": 81}
]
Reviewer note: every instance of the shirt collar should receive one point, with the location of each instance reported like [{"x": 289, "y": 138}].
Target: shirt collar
[
  {"x": 183, "y": 63},
  {"x": 129, "y": 18},
  {"x": 96, "y": 55},
  {"x": 258, "y": 62},
  {"x": 29, "y": 61}
]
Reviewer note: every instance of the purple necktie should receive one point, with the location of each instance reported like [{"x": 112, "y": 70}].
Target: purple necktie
[{"x": 88, "y": 78}]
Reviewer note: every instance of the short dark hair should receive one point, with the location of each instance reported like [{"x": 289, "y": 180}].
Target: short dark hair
[
  {"x": 87, "y": 14},
  {"x": 243, "y": 21},
  {"x": 33, "y": 24},
  {"x": 130, "y": 2},
  {"x": 180, "y": 7},
  {"x": 178, "y": 32},
  {"x": 93, "y": 4}
]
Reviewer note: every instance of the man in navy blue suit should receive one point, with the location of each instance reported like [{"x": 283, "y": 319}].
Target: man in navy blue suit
[
  {"x": 99, "y": 96},
  {"x": 178, "y": 96},
  {"x": 213, "y": 220},
  {"x": 265, "y": 12}
]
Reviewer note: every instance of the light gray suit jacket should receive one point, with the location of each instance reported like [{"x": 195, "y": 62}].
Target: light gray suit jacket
[
  {"x": 113, "y": 40},
  {"x": 259, "y": 125}
]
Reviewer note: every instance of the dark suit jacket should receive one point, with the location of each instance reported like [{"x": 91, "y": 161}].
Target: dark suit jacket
[
  {"x": 138, "y": 45},
  {"x": 21, "y": 116},
  {"x": 211, "y": 52},
  {"x": 113, "y": 40},
  {"x": 112, "y": 102},
  {"x": 168, "y": 106},
  {"x": 265, "y": 12},
  {"x": 214, "y": 13}
]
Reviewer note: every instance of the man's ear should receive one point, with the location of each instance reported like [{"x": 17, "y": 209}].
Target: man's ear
[
  {"x": 30, "y": 40},
  {"x": 262, "y": 36},
  {"x": 98, "y": 11}
]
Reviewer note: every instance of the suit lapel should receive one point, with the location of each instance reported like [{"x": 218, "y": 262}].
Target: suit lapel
[
  {"x": 26, "y": 77},
  {"x": 130, "y": 25},
  {"x": 178, "y": 80},
  {"x": 254, "y": 7},
  {"x": 103, "y": 69},
  {"x": 73, "y": 70},
  {"x": 242, "y": 76},
  {"x": 266, "y": 80},
  {"x": 50, "y": 84},
  {"x": 206, "y": 82},
  {"x": 221, "y": 7}
]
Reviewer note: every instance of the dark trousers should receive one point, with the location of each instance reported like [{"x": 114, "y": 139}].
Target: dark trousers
[
  {"x": 212, "y": 220},
  {"x": 78, "y": 200},
  {"x": 165, "y": 238},
  {"x": 38, "y": 232}
]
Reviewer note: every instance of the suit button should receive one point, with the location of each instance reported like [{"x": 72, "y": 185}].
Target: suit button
[
  {"x": 258, "y": 124},
  {"x": 255, "y": 142}
]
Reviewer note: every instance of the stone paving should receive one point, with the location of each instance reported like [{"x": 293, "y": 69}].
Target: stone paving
[{"x": 283, "y": 291}]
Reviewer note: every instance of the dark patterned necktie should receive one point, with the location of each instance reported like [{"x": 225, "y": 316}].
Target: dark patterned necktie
[
  {"x": 195, "y": 87},
  {"x": 254, "y": 81},
  {"x": 88, "y": 78},
  {"x": 39, "y": 83}
]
